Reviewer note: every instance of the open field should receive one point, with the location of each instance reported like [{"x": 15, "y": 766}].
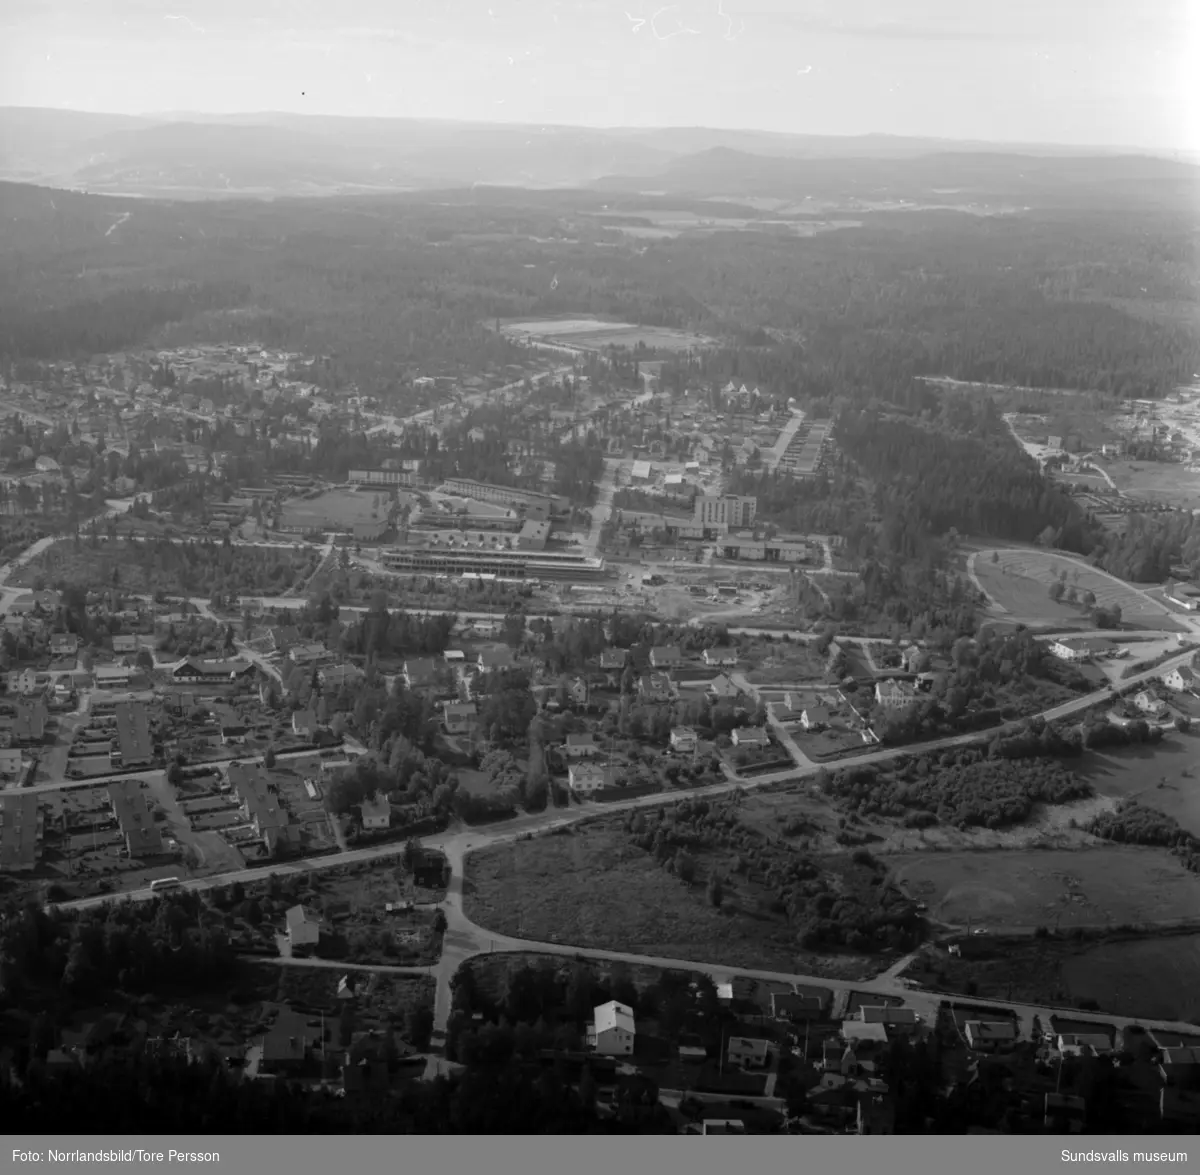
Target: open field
[
  {"x": 191, "y": 568},
  {"x": 1165, "y": 777},
  {"x": 335, "y": 509},
  {"x": 1099, "y": 886},
  {"x": 594, "y": 334},
  {"x": 1157, "y": 978},
  {"x": 783, "y": 663},
  {"x": 1019, "y": 582},
  {"x": 1162, "y": 482},
  {"x": 671, "y": 222},
  {"x": 595, "y": 888}
]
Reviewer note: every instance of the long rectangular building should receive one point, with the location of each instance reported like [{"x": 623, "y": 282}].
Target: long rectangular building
[
  {"x": 505, "y": 495},
  {"x": 561, "y": 565},
  {"x": 133, "y": 814},
  {"x": 133, "y": 735},
  {"x": 22, "y": 824},
  {"x": 721, "y": 514},
  {"x": 261, "y": 806},
  {"x": 381, "y": 477}
]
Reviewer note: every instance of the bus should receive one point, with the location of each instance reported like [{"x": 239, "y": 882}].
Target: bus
[{"x": 165, "y": 883}]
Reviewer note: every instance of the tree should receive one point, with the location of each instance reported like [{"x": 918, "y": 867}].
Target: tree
[
  {"x": 716, "y": 894},
  {"x": 1056, "y": 590},
  {"x": 419, "y": 1026},
  {"x": 685, "y": 867},
  {"x": 412, "y": 854},
  {"x": 269, "y": 758}
]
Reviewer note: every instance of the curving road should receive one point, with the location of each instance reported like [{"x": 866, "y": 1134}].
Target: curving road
[{"x": 552, "y": 818}]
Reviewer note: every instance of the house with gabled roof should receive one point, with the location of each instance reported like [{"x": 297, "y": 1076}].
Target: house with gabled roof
[
  {"x": 612, "y": 1031},
  {"x": 580, "y": 746},
  {"x": 304, "y": 926},
  {"x": 665, "y": 657},
  {"x": 496, "y": 657}
]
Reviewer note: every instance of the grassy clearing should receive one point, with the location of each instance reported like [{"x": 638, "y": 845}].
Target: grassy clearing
[
  {"x": 1157, "y": 481},
  {"x": 1165, "y": 777},
  {"x": 1155, "y": 978},
  {"x": 337, "y": 508},
  {"x": 1158, "y": 978},
  {"x": 1103, "y": 886},
  {"x": 1019, "y": 581},
  {"x": 383, "y": 1000},
  {"x": 595, "y": 888}
]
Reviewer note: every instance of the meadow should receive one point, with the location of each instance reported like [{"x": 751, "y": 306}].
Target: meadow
[
  {"x": 1013, "y": 890},
  {"x": 594, "y": 334},
  {"x": 1018, "y": 580},
  {"x": 1157, "y": 978},
  {"x": 334, "y": 510},
  {"x": 1165, "y": 777}
]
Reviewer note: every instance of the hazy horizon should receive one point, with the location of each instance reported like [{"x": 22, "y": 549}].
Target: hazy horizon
[{"x": 1079, "y": 73}]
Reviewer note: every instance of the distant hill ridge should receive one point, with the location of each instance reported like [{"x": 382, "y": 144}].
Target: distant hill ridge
[{"x": 278, "y": 154}]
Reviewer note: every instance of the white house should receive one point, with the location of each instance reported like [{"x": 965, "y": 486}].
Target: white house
[
  {"x": 612, "y": 1031},
  {"x": 989, "y": 1034},
  {"x": 1186, "y": 594},
  {"x": 1072, "y": 649},
  {"x": 1145, "y": 701},
  {"x": 750, "y": 736},
  {"x": 584, "y": 778},
  {"x": 747, "y": 1052},
  {"x": 1083, "y": 648},
  {"x": 1083, "y": 1044},
  {"x": 683, "y": 740},
  {"x": 303, "y": 927},
  {"x": 893, "y": 695},
  {"x": 1182, "y": 679},
  {"x": 376, "y": 813},
  {"x": 580, "y": 746},
  {"x": 665, "y": 657},
  {"x": 720, "y": 657},
  {"x": 10, "y": 762},
  {"x": 112, "y": 676}
]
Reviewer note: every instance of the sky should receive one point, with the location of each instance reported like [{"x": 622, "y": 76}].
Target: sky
[{"x": 1101, "y": 72}]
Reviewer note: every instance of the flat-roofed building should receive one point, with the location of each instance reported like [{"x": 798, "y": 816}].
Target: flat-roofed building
[
  {"x": 533, "y": 536},
  {"x": 483, "y": 564},
  {"x": 260, "y": 804},
  {"x": 129, "y": 806},
  {"x": 505, "y": 495},
  {"x": 725, "y": 512},
  {"x": 22, "y": 824},
  {"x": 29, "y": 723},
  {"x": 133, "y": 735}
]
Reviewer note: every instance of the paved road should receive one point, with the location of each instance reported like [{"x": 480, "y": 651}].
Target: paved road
[
  {"x": 465, "y": 940},
  {"x": 396, "y": 424},
  {"x": 560, "y": 817},
  {"x": 775, "y": 453},
  {"x": 603, "y": 507}
]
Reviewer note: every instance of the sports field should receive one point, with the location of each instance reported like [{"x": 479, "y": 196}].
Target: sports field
[
  {"x": 336, "y": 510},
  {"x": 594, "y": 334},
  {"x": 1019, "y": 580},
  {"x": 1104, "y": 886}
]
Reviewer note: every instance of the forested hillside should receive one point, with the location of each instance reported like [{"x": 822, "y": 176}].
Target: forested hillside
[
  {"x": 390, "y": 285},
  {"x": 905, "y": 479}
]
